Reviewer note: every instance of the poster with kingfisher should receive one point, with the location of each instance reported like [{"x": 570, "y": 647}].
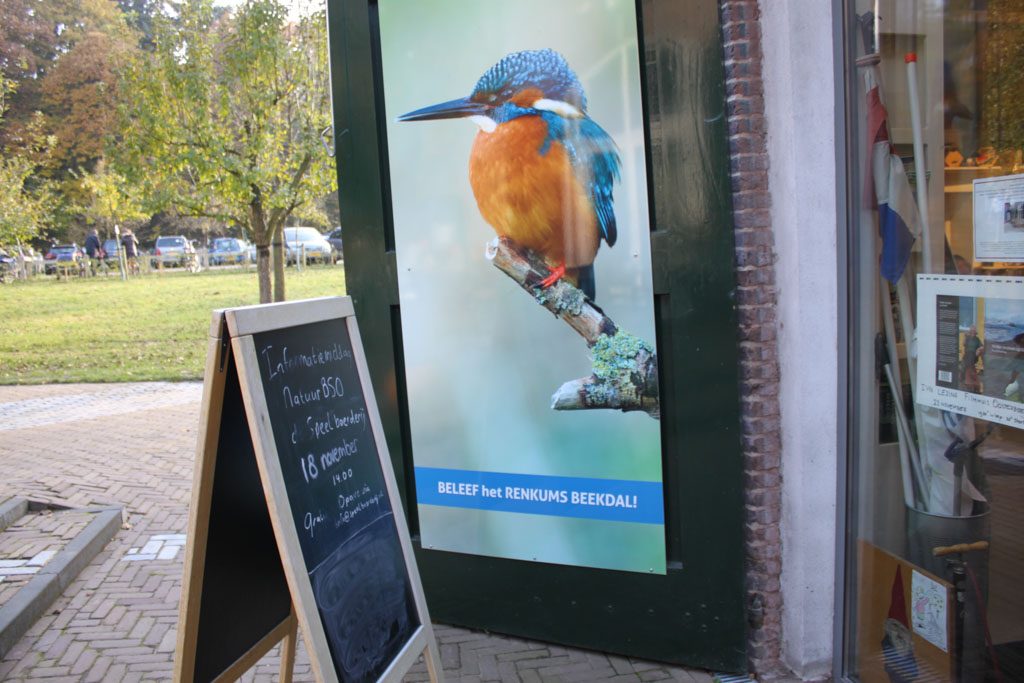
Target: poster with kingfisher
[{"x": 518, "y": 181}]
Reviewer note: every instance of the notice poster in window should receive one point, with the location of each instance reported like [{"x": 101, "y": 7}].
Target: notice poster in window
[
  {"x": 500, "y": 125},
  {"x": 929, "y": 609},
  {"x": 999, "y": 218},
  {"x": 971, "y": 346}
]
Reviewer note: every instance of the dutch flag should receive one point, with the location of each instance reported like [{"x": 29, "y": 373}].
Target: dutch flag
[{"x": 897, "y": 211}]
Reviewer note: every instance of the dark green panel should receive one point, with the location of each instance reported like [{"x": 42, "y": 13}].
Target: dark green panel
[
  {"x": 695, "y": 614},
  {"x": 369, "y": 250}
]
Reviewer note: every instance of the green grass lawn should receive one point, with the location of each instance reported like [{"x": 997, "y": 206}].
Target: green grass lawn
[{"x": 152, "y": 327}]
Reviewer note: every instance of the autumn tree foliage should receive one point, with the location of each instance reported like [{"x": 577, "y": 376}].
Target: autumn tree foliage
[
  {"x": 60, "y": 58},
  {"x": 223, "y": 119},
  {"x": 38, "y": 35},
  {"x": 24, "y": 199},
  {"x": 79, "y": 100}
]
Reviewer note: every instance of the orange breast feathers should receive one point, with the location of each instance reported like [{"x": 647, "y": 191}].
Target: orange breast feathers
[{"x": 535, "y": 200}]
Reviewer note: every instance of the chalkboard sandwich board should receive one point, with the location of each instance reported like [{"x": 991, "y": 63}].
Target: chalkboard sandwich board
[{"x": 296, "y": 519}]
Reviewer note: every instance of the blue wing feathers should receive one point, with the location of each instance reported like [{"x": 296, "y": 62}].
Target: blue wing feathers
[{"x": 594, "y": 156}]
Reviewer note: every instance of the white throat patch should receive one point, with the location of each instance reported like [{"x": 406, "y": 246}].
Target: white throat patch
[
  {"x": 563, "y": 109},
  {"x": 486, "y": 123}
]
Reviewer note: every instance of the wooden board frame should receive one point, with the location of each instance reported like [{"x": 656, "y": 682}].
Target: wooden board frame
[
  {"x": 231, "y": 341},
  {"x": 199, "y": 508},
  {"x": 211, "y": 408},
  {"x": 242, "y": 323}
]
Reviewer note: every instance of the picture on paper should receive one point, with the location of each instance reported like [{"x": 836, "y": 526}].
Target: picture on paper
[
  {"x": 999, "y": 218},
  {"x": 1013, "y": 216},
  {"x": 929, "y": 610},
  {"x": 1004, "y": 348},
  {"x": 971, "y": 346},
  {"x": 517, "y": 163},
  {"x": 980, "y": 345}
]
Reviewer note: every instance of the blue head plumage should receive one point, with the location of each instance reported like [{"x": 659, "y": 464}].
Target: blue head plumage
[{"x": 545, "y": 70}]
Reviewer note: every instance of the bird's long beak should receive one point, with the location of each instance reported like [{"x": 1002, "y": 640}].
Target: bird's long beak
[{"x": 453, "y": 109}]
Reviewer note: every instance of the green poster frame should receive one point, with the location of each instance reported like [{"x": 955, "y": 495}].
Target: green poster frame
[{"x": 695, "y": 614}]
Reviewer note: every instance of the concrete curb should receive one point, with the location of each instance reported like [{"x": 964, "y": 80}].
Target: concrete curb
[
  {"x": 11, "y": 510},
  {"x": 33, "y": 599}
]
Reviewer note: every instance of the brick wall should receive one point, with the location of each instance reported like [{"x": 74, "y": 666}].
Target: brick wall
[{"x": 759, "y": 364}]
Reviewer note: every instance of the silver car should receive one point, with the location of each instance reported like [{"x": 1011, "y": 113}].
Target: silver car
[
  {"x": 173, "y": 251},
  {"x": 297, "y": 240}
]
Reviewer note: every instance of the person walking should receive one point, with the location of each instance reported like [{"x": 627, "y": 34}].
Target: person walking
[
  {"x": 131, "y": 251},
  {"x": 94, "y": 251}
]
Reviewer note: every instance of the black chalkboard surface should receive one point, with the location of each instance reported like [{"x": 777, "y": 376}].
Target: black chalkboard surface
[
  {"x": 296, "y": 520},
  {"x": 241, "y": 560},
  {"x": 337, "y": 495}
]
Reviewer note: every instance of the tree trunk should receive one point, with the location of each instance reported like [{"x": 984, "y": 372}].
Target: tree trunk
[
  {"x": 258, "y": 226},
  {"x": 263, "y": 271},
  {"x": 279, "y": 259}
]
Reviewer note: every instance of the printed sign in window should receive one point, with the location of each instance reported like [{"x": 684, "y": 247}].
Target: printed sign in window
[
  {"x": 971, "y": 341},
  {"x": 999, "y": 218}
]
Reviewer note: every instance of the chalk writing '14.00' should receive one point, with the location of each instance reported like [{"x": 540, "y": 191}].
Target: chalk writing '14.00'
[{"x": 344, "y": 475}]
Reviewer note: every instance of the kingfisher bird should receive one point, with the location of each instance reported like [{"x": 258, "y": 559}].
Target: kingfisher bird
[{"x": 542, "y": 171}]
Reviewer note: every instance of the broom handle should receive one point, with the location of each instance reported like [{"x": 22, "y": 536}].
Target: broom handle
[{"x": 920, "y": 168}]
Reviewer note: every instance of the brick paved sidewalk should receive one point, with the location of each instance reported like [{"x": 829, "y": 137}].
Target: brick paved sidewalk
[
  {"x": 133, "y": 444},
  {"x": 32, "y": 541}
]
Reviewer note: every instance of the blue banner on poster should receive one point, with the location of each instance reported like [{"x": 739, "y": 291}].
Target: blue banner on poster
[{"x": 617, "y": 500}]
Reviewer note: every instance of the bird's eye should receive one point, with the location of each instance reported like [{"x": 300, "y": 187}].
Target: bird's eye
[{"x": 492, "y": 98}]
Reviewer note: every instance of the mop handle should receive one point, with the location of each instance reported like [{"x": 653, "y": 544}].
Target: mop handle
[{"x": 943, "y": 550}]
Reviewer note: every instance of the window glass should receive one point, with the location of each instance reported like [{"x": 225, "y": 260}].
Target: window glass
[{"x": 936, "y": 445}]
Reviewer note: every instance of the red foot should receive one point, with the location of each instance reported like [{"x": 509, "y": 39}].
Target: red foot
[{"x": 555, "y": 276}]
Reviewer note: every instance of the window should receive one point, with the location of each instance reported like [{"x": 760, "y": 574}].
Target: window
[{"x": 936, "y": 310}]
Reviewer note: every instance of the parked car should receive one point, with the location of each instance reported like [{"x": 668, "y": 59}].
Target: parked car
[
  {"x": 172, "y": 251},
  {"x": 225, "y": 250},
  {"x": 334, "y": 237},
  {"x": 63, "y": 256},
  {"x": 311, "y": 241},
  {"x": 110, "y": 249}
]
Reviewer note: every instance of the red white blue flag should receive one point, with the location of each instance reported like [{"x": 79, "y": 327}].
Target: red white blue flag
[{"x": 897, "y": 211}]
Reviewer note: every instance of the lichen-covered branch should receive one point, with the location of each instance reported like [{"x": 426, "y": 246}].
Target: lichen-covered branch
[{"x": 625, "y": 367}]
